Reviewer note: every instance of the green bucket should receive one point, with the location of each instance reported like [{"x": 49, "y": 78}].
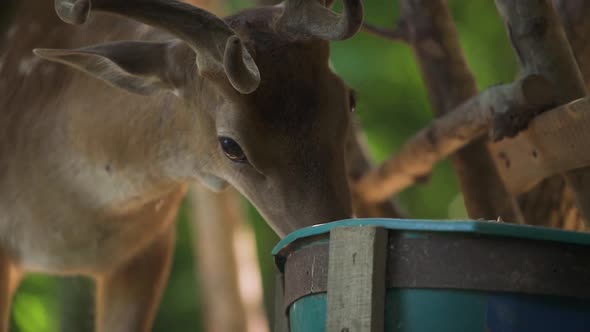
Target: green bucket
[{"x": 451, "y": 276}]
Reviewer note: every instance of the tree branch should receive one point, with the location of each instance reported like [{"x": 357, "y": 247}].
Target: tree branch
[
  {"x": 557, "y": 142},
  {"x": 434, "y": 40},
  {"x": 451, "y": 132},
  {"x": 541, "y": 46},
  {"x": 573, "y": 14},
  {"x": 396, "y": 34},
  {"x": 359, "y": 163}
]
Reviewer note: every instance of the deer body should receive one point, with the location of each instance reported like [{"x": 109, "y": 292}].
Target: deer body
[
  {"x": 91, "y": 175},
  {"x": 74, "y": 194}
]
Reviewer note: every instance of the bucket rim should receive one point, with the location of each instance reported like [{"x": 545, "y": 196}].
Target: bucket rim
[{"x": 476, "y": 227}]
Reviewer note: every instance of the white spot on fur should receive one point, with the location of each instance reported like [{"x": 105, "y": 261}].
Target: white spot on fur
[{"x": 27, "y": 65}]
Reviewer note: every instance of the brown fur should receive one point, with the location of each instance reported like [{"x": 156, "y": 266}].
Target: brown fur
[{"x": 91, "y": 176}]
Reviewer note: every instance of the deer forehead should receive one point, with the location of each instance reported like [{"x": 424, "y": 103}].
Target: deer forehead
[
  {"x": 297, "y": 88},
  {"x": 287, "y": 109}
]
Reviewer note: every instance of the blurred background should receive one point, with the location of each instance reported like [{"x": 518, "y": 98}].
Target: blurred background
[{"x": 392, "y": 105}]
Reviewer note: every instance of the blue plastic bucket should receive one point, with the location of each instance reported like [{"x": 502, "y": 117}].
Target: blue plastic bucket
[{"x": 453, "y": 276}]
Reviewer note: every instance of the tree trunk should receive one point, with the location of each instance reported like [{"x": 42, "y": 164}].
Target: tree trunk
[
  {"x": 213, "y": 219},
  {"x": 428, "y": 27},
  {"x": 574, "y": 14}
]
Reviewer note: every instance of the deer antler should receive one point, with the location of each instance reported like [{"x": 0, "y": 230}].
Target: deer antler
[
  {"x": 310, "y": 19},
  {"x": 219, "y": 50}
]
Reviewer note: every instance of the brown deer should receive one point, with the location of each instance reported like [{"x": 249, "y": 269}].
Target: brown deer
[{"x": 92, "y": 174}]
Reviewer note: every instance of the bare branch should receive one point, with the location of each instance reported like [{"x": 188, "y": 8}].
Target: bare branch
[
  {"x": 541, "y": 47},
  {"x": 359, "y": 163},
  {"x": 449, "y": 81},
  {"x": 556, "y": 143},
  {"x": 394, "y": 34},
  {"x": 535, "y": 96},
  {"x": 573, "y": 14},
  {"x": 446, "y": 135}
]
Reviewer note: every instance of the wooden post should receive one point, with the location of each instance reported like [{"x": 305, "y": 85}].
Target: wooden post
[{"x": 356, "y": 279}]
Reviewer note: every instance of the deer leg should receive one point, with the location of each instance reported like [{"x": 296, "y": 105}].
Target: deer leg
[
  {"x": 128, "y": 298},
  {"x": 9, "y": 279}
]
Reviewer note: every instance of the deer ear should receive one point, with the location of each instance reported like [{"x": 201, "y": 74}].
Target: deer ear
[{"x": 139, "y": 67}]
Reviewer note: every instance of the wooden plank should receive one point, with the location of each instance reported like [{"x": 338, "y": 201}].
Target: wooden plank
[
  {"x": 356, "y": 279},
  {"x": 281, "y": 319},
  {"x": 556, "y": 142}
]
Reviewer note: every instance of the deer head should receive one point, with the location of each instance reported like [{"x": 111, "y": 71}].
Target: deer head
[{"x": 272, "y": 117}]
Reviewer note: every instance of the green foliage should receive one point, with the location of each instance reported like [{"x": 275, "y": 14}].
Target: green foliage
[
  {"x": 180, "y": 310},
  {"x": 392, "y": 106},
  {"x": 35, "y": 305}
]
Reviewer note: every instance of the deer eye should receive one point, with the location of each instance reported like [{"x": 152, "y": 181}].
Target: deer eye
[{"x": 232, "y": 150}]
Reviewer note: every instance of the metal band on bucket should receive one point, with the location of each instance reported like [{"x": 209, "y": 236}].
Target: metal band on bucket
[{"x": 455, "y": 261}]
